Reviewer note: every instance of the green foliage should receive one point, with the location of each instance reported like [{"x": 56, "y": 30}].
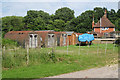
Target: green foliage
[
  {"x": 36, "y": 20},
  {"x": 13, "y": 59},
  {"x": 8, "y": 42},
  {"x": 12, "y": 23},
  {"x": 117, "y": 24},
  {"x": 62, "y": 20},
  {"x": 118, "y": 13},
  {"x": 98, "y": 13},
  {"x": 82, "y": 23},
  {"x": 59, "y": 24},
  {"x": 66, "y": 14},
  {"x": 42, "y": 64}
]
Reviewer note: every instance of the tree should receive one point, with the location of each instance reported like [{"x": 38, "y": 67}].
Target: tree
[
  {"x": 37, "y": 24},
  {"x": 82, "y": 23},
  {"x": 98, "y": 13},
  {"x": 59, "y": 24},
  {"x": 117, "y": 24},
  {"x": 112, "y": 15},
  {"x": 70, "y": 25},
  {"x": 12, "y": 23},
  {"x": 62, "y": 20},
  {"x": 118, "y": 13},
  {"x": 65, "y": 14},
  {"x": 36, "y": 20}
]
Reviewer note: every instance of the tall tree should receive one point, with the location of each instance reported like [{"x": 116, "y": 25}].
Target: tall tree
[
  {"x": 36, "y": 20},
  {"x": 82, "y": 23},
  {"x": 59, "y": 24},
  {"x": 12, "y": 23},
  {"x": 65, "y": 14},
  {"x": 118, "y": 13},
  {"x": 98, "y": 13},
  {"x": 112, "y": 15}
]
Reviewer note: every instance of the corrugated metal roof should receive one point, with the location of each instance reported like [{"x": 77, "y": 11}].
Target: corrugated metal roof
[
  {"x": 69, "y": 32},
  {"x": 19, "y": 36}
]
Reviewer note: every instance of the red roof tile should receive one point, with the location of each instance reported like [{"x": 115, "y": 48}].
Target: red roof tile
[{"x": 105, "y": 22}]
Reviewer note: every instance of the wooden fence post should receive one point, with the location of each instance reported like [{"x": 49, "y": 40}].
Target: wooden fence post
[
  {"x": 4, "y": 48},
  {"x": 88, "y": 48},
  {"x": 67, "y": 44},
  {"x": 98, "y": 49},
  {"x": 27, "y": 55},
  {"x": 113, "y": 47},
  {"x": 106, "y": 48},
  {"x": 79, "y": 47}
]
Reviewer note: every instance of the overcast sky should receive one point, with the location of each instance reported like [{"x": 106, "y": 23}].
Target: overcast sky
[{"x": 20, "y": 7}]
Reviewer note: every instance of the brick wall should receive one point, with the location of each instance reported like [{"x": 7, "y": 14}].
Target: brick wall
[{"x": 103, "y": 31}]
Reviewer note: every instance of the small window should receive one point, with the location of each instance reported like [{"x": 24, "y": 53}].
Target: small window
[
  {"x": 62, "y": 35},
  {"x": 103, "y": 28},
  {"x": 35, "y": 36},
  {"x": 52, "y": 35},
  {"x": 48, "y": 36},
  {"x": 30, "y": 35}
]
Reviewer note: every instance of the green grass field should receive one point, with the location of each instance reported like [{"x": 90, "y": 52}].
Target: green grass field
[{"x": 42, "y": 63}]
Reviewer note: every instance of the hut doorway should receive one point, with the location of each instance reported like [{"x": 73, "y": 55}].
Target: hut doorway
[
  {"x": 64, "y": 39},
  {"x": 51, "y": 38},
  {"x": 33, "y": 41}
]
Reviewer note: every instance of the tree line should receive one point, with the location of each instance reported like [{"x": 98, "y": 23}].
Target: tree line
[{"x": 63, "y": 20}]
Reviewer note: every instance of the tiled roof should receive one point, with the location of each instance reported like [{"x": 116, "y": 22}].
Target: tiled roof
[{"x": 105, "y": 22}]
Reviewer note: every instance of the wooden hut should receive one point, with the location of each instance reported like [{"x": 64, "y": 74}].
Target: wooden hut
[
  {"x": 71, "y": 37},
  {"x": 25, "y": 38},
  {"x": 61, "y": 38},
  {"x": 48, "y": 38}
]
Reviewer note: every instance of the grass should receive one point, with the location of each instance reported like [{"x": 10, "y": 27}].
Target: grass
[{"x": 60, "y": 62}]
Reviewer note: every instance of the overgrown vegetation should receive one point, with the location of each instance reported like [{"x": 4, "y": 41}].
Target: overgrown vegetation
[
  {"x": 14, "y": 60},
  {"x": 45, "y": 62},
  {"x": 63, "y": 20},
  {"x": 9, "y": 43}
]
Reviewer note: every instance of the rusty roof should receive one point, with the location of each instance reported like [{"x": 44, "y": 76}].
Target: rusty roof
[
  {"x": 60, "y": 32},
  {"x": 79, "y": 33},
  {"x": 105, "y": 22},
  {"x": 19, "y": 36}
]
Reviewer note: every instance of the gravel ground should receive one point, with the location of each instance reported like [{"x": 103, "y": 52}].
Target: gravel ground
[{"x": 103, "y": 72}]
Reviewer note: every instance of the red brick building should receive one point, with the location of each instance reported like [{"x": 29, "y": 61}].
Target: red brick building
[{"x": 103, "y": 27}]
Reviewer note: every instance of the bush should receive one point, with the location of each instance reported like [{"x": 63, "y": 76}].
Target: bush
[
  {"x": 13, "y": 59},
  {"x": 8, "y": 42}
]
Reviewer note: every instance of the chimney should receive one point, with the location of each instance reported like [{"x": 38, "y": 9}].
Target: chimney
[
  {"x": 105, "y": 14},
  {"x": 93, "y": 23},
  {"x": 100, "y": 25}
]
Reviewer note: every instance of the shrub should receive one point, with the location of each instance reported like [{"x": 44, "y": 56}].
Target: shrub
[
  {"x": 8, "y": 42},
  {"x": 12, "y": 59}
]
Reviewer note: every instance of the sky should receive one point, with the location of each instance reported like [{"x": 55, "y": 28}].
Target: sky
[{"x": 20, "y": 7}]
